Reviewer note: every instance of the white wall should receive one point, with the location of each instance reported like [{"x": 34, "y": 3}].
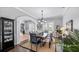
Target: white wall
[{"x": 72, "y": 13}]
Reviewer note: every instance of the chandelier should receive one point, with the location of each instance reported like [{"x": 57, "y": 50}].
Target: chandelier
[{"x": 41, "y": 21}]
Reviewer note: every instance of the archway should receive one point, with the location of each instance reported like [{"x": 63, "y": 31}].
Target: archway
[{"x": 25, "y": 25}]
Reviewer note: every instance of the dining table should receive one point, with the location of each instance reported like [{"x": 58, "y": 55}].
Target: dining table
[{"x": 43, "y": 39}]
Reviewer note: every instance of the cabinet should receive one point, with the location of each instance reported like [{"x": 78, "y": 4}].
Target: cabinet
[{"x": 6, "y": 34}]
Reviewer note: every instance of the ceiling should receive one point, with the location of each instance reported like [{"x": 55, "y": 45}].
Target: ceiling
[{"x": 48, "y": 11}]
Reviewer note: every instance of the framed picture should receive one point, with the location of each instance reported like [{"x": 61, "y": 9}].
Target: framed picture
[{"x": 69, "y": 25}]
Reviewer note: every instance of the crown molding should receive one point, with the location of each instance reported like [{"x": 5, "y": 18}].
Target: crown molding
[
  {"x": 27, "y": 13},
  {"x": 65, "y": 11}
]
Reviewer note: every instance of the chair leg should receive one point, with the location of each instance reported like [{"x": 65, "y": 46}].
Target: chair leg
[
  {"x": 36, "y": 47},
  {"x": 31, "y": 45},
  {"x": 49, "y": 44}
]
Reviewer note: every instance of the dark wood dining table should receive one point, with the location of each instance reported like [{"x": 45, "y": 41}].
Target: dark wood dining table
[
  {"x": 43, "y": 38},
  {"x": 40, "y": 36}
]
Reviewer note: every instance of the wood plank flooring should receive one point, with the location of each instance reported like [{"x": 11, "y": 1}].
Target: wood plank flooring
[
  {"x": 26, "y": 47},
  {"x": 19, "y": 49}
]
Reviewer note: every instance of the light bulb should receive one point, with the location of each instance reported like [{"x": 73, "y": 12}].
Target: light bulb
[
  {"x": 41, "y": 23},
  {"x": 42, "y": 20},
  {"x": 45, "y": 21},
  {"x": 38, "y": 21}
]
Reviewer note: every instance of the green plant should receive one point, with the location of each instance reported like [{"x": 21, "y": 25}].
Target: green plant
[{"x": 71, "y": 42}]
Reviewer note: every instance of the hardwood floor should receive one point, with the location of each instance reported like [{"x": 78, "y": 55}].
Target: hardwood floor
[
  {"x": 44, "y": 48},
  {"x": 26, "y": 47},
  {"x": 19, "y": 49}
]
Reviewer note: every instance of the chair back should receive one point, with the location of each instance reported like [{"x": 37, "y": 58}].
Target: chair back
[{"x": 33, "y": 38}]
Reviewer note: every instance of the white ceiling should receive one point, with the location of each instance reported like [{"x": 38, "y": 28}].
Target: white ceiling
[{"x": 48, "y": 11}]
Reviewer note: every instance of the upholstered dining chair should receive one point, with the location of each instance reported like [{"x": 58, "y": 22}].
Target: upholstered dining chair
[{"x": 34, "y": 40}]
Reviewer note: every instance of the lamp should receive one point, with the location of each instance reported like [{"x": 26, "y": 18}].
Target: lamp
[{"x": 41, "y": 21}]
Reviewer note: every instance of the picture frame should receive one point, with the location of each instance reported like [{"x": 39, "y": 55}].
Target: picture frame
[{"x": 69, "y": 25}]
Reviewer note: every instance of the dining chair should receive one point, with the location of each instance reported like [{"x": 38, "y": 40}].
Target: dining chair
[
  {"x": 44, "y": 38},
  {"x": 34, "y": 40},
  {"x": 51, "y": 35}
]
